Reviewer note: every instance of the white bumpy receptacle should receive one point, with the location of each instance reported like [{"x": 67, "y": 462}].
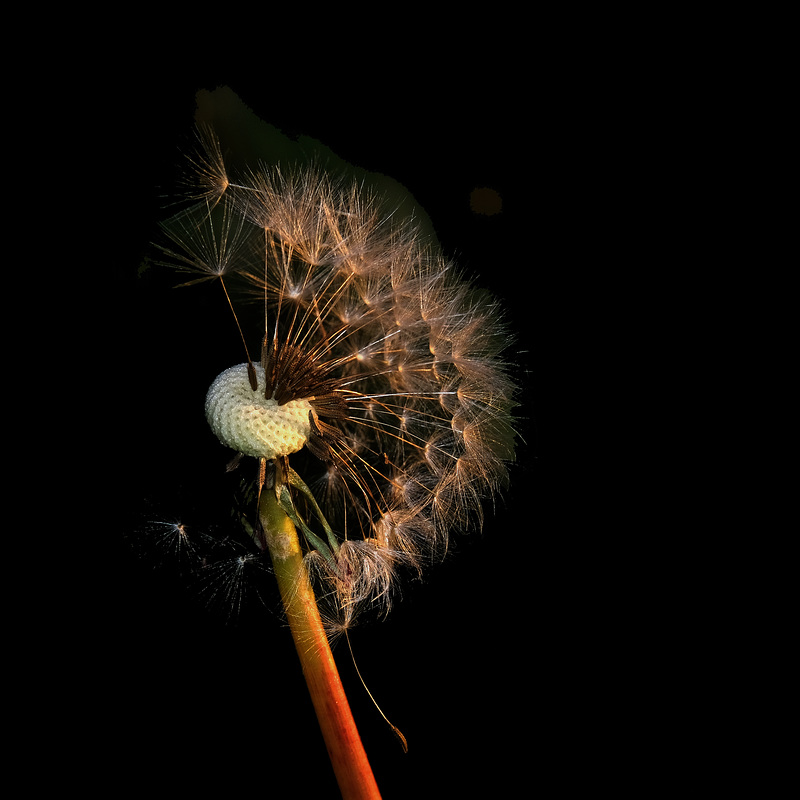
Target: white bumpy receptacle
[{"x": 248, "y": 422}]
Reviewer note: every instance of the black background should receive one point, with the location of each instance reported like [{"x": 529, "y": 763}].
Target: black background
[{"x": 563, "y": 648}]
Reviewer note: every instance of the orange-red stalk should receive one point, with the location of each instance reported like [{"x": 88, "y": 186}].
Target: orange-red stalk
[{"x": 346, "y": 751}]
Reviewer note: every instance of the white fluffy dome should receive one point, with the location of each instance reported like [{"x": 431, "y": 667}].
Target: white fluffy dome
[{"x": 248, "y": 422}]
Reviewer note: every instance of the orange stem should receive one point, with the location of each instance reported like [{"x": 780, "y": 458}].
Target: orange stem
[{"x": 345, "y": 749}]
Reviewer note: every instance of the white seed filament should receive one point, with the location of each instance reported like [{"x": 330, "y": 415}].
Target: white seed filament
[{"x": 250, "y": 423}]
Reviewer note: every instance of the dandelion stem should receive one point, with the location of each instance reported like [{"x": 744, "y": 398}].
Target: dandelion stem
[{"x": 345, "y": 749}]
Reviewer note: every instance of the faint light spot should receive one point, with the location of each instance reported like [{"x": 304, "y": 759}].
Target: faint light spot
[{"x": 483, "y": 200}]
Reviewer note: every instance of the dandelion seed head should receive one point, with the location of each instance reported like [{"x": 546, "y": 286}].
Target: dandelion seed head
[{"x": 379, "y": 360}]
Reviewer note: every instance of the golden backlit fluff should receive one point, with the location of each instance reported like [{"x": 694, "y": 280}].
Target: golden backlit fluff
[{"x": 393, "y": 357}]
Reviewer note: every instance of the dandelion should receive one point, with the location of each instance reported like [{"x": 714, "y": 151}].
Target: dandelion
[{"x": 378, "y": 414}]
